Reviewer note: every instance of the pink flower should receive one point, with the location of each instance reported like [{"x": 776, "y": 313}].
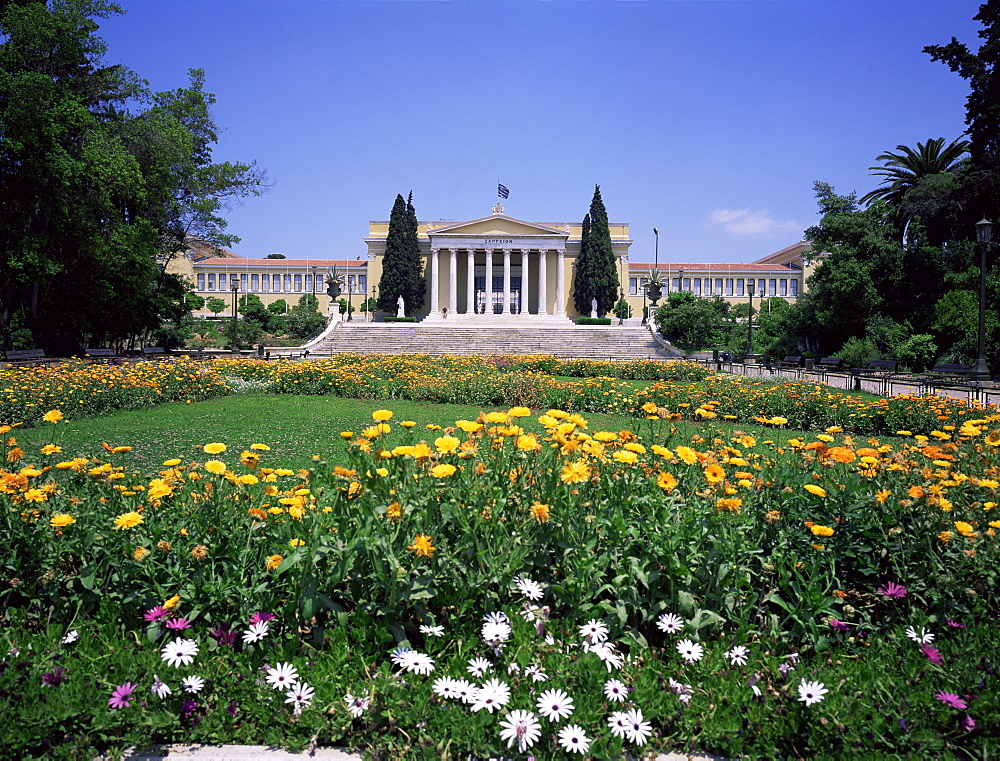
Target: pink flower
[
  {"x": 966, "y": 723},
  {"x": 839, "y": 626},
  {"x": 260, "y": 616},
  {"x": 954, "y": 624},
  {"x": 950, "y": 699},
  {"x": 933, "y": 654},
  {"x": 892, "y": 590},
  {"x": 177, "y": 623},
  {"x": 156, "y": 614},
  {"x": 122, "y": 696}
]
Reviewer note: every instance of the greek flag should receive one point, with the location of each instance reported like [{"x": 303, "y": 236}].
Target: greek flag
[{"x": 502, "y": 191}]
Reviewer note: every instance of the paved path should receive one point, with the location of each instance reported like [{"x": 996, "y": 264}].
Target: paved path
[{"x": 266, "y": 753}]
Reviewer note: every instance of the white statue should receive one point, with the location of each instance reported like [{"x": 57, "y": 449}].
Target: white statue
[
  {"x": 593, "y": 307},
  {"x": 400, "y": 307}
]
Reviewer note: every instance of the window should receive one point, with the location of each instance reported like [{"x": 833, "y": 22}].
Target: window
[
  {"x": 201, "y": 282},
  {"x": 265, "y": 282},
  {"x": 794, "y": 284},
  {"x": 760, "y": 287},
  {"x": 276, "y": 282},
  {"x": 676, "y": 285},
  {"x": 352, "y": 285},
  {"x": 255, "y": 283},
  {"x": 633, "y": 286},
  {"x": 244, "y": 283},
  {"x": 288, "y": 284},
  {"x": 729, "y": 286},
  {"x": 363, "y": 283},
  {"x": 309, "y": 282},
  {"x": 697, "y": 286},
  {"x": 298, "y": 283},
  {"x": 739, "y": 286},
  {"x": 782, "y": 287},
  {"x": 211, "y": 281},
  {"x": 718, "y": 286},
  {"x": 644, "y": 284},
  {"x": 686, "y": 285},
  {"x": 772, "y": 287}
]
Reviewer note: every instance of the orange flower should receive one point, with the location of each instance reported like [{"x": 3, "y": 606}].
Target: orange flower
[
  {"x": 540, "y": 512},
  {"x": 814, "y": 489},
  {"x": 422, "y": 546},
  {"x": 819, "y": 530},
  {"x": 714, "y": 473},
  {"x": 52, "y": 416},
  {"x": 576, "y": 472},
  {"x": 272, "y": 562}
]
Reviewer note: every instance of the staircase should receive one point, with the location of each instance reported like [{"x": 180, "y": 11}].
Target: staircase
[{"x": 566, "y": 342}]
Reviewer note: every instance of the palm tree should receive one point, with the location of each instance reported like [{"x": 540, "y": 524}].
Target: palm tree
[{"x": 902, "y": 171}]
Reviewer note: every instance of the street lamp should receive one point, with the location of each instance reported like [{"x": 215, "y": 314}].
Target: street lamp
[
  {"x": 236, "y": 333},
  {"x": 750, "y": 289},
  {"x": 371, "y": 310},
  {"x": 314, "y": 283},
  {"x": 980, "y": 370}
]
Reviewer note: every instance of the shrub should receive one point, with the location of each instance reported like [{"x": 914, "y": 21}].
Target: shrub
[{"x": 593, "y": 320}]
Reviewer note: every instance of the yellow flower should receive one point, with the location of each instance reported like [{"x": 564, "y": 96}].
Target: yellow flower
[
  {"x": 172, "y": 463},
  {"x": 52, "y": 416},
  {"x": 260, "y": 447},
  {"x": 51, "y": 449},
  {"x": 163, "y": 546},
  {"x": 199, "y": 552},
  {"x": 407, "y": 423},
  {"x": 296, "y": 543},
  {"x": 443, "y": 470},
  {"x": 383, "y": 472},
  {"x": 637, "y": 448},
  {"x": 272, "y": 562},
  {"x": 172, "y": 602},
  {"x": 382, "y": 415},
  {"x": 882, "y": 496},
  {"x": 729, "y": 504},
  {"x": 248, "y": 478},
  {"x": 964, "y": 528},
  {"x": 605, "y": 436},
  {"x": 394, "y": 511},
  {"x": 649, "y": 408},
  {"x": 128, "y": 520},
  {"x": 216, "y": 448},
  {"x": 687, "y": 454},
  {"x": 469, "y": 426},
  {"x": 666, "y": 481},
  {"x": 714, "y": 473},
  {"x": 945, "y": 536},
  {"x": 158, "y": 488},
  {"x": 497, "y": 417},
  {"x": 625, "y": 457},
  {"x": 422, "y": 546},
  {"x": 216, "y": 467},
  {"x": 575, "y": 472},
  {"x": 139, "y": 554},
  {"x": 447, "y": 444},
  {"x": 814, "y": 489},
  {"x": 346, "y": 434},
  {"x": 819, "y": 530},
  {"x": 824, "y": 437},
  {"x": 528, "y": 443},
  {"x": 61, "y": 520},
  {"x": 372, "y": 431},
  {"x": 35, "y": 495},
  {"x": 519, "y": 412}
]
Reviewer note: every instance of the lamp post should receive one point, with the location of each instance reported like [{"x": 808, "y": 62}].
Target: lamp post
[
  {"x": 313, "y": 268},
  {"x": 236, "y": 331},
  {"x": 981, "y": 371},
  {"x": 371, "y": 311},
  {"x": 750, "y": 289}
]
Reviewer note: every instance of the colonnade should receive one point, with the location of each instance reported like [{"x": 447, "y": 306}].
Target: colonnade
[{"x": 542, "y": 259}]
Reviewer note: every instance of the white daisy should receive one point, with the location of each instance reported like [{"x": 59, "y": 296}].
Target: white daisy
[
  {"x": 638, "y": 731},
  {"x": 922, "y": 637},
  {"x": 521, "y": 726},
  {"x": 690, "y": 651},
  {"x": 496, "y": 633},
  {"x": 752, "y": 684},
  {"x": 193, "y": 684},
  {"x": 737, "y": 656},
  {"x": 301, "y": 695},
  {"x": 536, "y": 673},
  {"x": 356, "y": 706},
  {"x": 618, "y": 723},
  {"x": 682, "y": 691},
  {"x": 670, "y": 623},
  {"x": 513, "y": 668},
  {"x": 71, "y": 637},
  {"x": 282, "y": 676},
  {"x": 478, "y": 666},
  {"x": 465, "y": 690},
  {"x": 530, "y": 589},
  {"x": 606, "y": 652},
  {"x": 555, "y": 705},
  {"x": 811, "y": 692},
  {"x": 594, "y": 632},
  {"x": 180, "y": 652},
  {"x": 446, "y": 687},
  {"x": 256, "y": 632},
  {"x": 615, "y": 690},
  {"x": 496, "y": 617},
  {"x": 492, "y": 696},
  {"x": 573, "y": 739},
  {"x": 159, "y": 688},
  {"x": 418, "y": 663},
  {"x": 398, "y": 656},
  {"x": 432, "y": 631}
]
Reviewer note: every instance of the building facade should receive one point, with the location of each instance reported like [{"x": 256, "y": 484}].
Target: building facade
[{"x": 488, "y": 269}]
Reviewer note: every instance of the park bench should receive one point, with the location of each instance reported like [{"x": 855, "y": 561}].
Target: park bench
[
  {"x": 153, "y": 351},
  {"x": 884, "y": 367},
  {"x": 791, "y": 360},
  {"x": 949, "y": 372},
  {"x": 103, "y": 354},
  {"x": 829, "y": 363},
  {"x": 18, "y": 357}
]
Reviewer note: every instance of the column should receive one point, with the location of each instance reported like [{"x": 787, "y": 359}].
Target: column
[
  {"x": 542, "y": 290},
  {"x": 488, "y": 308},
  {"x": 506, "y": 281},
  {"x": 435, "y": 272},
  {"x": 470, "y": 287},
  {"x": 453, "y": 282},
  {"x": 525, "y": 277},
  {"x": 560, "y": 283}
]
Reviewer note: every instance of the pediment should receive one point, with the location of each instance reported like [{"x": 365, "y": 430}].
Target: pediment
[{"x": 497, "y": 225}]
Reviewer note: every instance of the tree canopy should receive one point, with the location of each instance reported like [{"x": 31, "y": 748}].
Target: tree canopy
[
  {"x": 596, "y": 271},
  {"x": 402, "y": 264},
  {"x": 101, "y": 180}
]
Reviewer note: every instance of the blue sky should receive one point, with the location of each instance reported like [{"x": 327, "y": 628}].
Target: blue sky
[{"x": 707, "y": 119}]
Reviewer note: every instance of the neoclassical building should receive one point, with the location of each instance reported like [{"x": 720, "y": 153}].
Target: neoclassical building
[{"x": 492, "y": 269}]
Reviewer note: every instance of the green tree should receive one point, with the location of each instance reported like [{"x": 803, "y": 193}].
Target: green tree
[
  {"x": 275, "y": 256},
  {"x": 253, "y": 309},
  {"x": 215, "y": 305},
  {"x": 402, "y": 264},
  {"x": 101, "y": 180},
  {"x": 278, "y": 306},
  {"x": 596, "y": 271},
  {"x": 692, "y": 323},
  {"x": 305, "y": 320}
]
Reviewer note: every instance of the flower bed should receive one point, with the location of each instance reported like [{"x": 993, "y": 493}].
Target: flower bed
[{"x": 484, "y": 590}]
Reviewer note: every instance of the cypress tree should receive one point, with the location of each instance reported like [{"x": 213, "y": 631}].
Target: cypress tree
[
  {"x": 402, "y": 264},
  {"x": 596, "y": 274}
]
